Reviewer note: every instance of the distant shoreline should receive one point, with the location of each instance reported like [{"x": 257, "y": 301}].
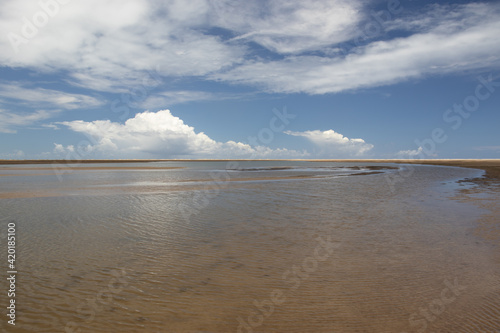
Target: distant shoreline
[
  {"x": 378, "y": 160},
  {"x": 491, "y": 166}
]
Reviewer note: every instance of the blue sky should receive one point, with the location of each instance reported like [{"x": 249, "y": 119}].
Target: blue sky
[{"x": 249, "y": 79}]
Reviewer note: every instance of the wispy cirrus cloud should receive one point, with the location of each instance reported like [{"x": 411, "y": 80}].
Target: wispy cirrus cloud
[
  {"x": 97, "y": 50},
  {"x": 10, "y": 122},
  {"x": 169, "y": 98},
  {"x": 460, "y": 40},
  {"x": 103, "y": 50},
  {"x": 289, "y": 26},
  {"x": 270, "y": 47},
  {"x": 44, "y": 103},
  {"x": 48, "y": 98}
]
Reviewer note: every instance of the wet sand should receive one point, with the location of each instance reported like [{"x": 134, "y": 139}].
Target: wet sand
[
  {"x": 203, "y": 185},
  {"x": 395, "y": 256},
  {"x": 6, "y": 162},
  {"x": 490, "y": 180},
  {"x": 67, "y": 168},
  {"x": 491, "y": 166}
]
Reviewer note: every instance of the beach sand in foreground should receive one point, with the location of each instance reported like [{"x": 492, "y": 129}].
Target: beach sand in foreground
[{"x": 395, "y": 253}]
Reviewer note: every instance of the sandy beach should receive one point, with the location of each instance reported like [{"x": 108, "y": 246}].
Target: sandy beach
[
  {"x": 199, "y": 245},
  {"x": 181, "y": 185},
  {"x": 66, "y": 168},
  {"x": 491, "y": 166}
]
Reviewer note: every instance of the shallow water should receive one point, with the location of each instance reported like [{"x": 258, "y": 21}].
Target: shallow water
[{"x": 264, "y": 247}]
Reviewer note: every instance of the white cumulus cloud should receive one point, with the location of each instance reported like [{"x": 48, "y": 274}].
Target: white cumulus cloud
[
  {"x": 15, "y": 155},
  {"x": 334, "y": 144},
  {"x": 410, "y": 153},
  {"x": 162, "y": 135}
]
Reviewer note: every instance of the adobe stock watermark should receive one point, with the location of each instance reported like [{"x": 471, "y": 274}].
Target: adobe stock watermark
[
  {"x": 376, "y": 26},
  {"x": 137, "y": 94},
  {"x": 427, "y": 314},
  {"x": 266, "y": 134},
  {"x": 454, "y": 118},
  {"x": 30, "y": 27},
  {"x": 201, "y": 198},
  {"x": 75, "y": 156},
  {"x": 122, "y": 106},
  {"x": 294, "y": 278},
  {"x": 88, "y": 310}
]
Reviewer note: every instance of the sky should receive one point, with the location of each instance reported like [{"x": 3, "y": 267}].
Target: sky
[{"x": 249, "y": 79}]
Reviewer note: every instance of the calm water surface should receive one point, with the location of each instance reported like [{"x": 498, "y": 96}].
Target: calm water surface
[{"x": 263, "y": 247}]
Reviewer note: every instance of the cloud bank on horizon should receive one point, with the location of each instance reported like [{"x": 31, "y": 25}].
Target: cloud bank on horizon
[
  {"x": 151, "y": 134},
  {"x": 331, "y": 142},
  {"x": 62, "y": 60}
]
